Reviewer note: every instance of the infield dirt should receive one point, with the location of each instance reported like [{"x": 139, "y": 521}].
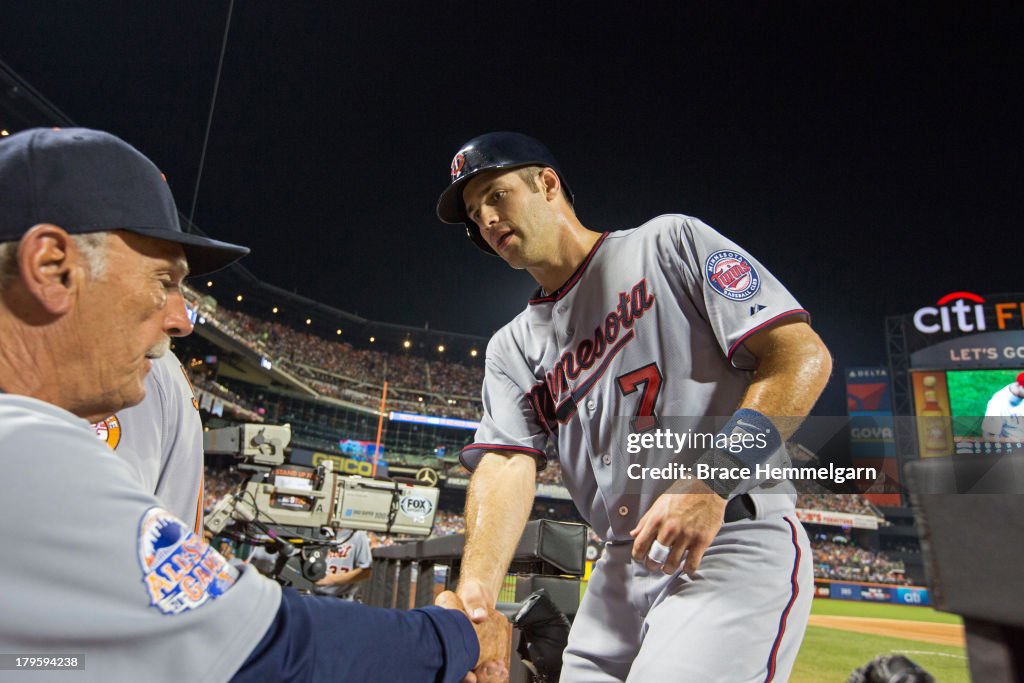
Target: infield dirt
[{"x": 942, "y": 634}]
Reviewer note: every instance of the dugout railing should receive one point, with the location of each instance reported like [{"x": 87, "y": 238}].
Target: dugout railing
[{"x": 550, "y": 555}]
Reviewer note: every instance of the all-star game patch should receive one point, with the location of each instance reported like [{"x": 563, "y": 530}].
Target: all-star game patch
[
  {"x": 180, "y": 571},
  {"x": 732, "y": 275}
]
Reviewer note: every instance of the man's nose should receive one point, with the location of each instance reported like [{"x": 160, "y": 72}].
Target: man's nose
[
  {"x": 488, "y": 216},
  {"x": 176, "y": 322}
]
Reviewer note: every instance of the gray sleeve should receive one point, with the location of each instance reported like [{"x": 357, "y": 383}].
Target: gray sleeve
[
  {"x": 737, "y": 294},
  {"x": 102, "y": 569},
  {"x": 510, "y": 423}
]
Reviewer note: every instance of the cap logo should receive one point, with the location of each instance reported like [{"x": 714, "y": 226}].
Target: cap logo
[{"x": 457, "y": 165}]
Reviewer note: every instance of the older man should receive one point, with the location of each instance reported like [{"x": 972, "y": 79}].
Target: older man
[{"x": 91, "y": 259}]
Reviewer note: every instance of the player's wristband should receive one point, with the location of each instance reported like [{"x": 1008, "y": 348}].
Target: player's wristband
[{"x": 752, "y": 438}]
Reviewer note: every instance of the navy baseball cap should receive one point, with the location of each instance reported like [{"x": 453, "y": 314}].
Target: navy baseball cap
[{"x": 89, "y": 181}]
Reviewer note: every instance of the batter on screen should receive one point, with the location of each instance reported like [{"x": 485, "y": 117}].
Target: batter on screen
[{"x": 701, "y": 580}]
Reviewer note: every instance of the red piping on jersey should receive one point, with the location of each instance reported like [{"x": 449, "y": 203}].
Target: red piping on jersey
[
  {"x": 571, "y": 282},
  {"x": 780, "y": 316},
  {"x": 795, "y": 591},
  {"x": 542, "y": 459}
]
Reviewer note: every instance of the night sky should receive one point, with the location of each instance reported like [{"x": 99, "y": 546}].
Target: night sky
[{"x": 871, "y": 157}]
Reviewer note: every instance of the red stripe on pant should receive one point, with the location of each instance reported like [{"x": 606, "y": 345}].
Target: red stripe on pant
[{"x": 795, "y": 591}]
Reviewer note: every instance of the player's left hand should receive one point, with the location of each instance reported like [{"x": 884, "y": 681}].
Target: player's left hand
[{"x": 685, "y": 519}]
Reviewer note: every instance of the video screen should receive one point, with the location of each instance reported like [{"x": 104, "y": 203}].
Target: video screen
[{"x": 969, "y": 411}]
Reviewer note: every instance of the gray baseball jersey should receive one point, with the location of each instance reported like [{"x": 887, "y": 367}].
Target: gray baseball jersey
[
  {"x": 650, "y": 326},
  {"x": 161, "y": 439},
  {"x": 99, "y": 568},
  {"x": 350, "y": 553}
]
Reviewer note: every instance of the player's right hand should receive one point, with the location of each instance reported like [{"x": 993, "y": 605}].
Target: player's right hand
[
  {"x": 684, "y": 519},
  {"x": 477, "y": 598},
  {"x": 495, "y": 636}
]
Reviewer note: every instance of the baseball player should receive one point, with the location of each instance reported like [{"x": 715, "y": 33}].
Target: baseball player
[
  {"x": 91, "y": 261},
  {"x": 161, "y": 439},
  {"x": 707, "y": 578},
  {"x": 348, "y": 564},
  {"x": 1004, "y": 414}
]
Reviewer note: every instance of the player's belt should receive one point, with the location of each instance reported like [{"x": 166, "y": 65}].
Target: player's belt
[{"x": 740, "y": 507}]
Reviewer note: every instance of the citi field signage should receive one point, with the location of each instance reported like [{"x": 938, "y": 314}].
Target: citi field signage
[{"x": 967, "y": 313}]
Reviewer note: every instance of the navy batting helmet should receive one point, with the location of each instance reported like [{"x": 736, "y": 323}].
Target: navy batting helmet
[{"x": 484, "y": 153}]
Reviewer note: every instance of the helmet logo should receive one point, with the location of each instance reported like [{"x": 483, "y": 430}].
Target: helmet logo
[{"x": 457, "y": 163}]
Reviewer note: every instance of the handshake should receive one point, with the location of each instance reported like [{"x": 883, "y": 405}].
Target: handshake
[
  {"x": 495, "y": 636},
  {"x": 543, "y": 634}
]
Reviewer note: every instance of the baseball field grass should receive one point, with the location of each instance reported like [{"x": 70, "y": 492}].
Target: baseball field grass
[{"x": 858, "y": 632}]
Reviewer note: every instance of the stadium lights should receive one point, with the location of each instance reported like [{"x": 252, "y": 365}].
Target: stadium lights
[
  {"x": 406, "y": 344},
  {"x": 238, "y": 298},
  {"x": 275, "y": 309},
  {"x": 339, "y": 330},
  {"x": 473, "y": 353},
  {"x": 209, "y": 283},
  {"x": 373, "y": 339},
  {"x": 440, "y": 348},
  {"x": 309, "y": 321},
  {"x": 4, "y": 132}
]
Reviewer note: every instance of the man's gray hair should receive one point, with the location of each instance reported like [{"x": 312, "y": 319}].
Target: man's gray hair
[{"x": 92, "y": 246}]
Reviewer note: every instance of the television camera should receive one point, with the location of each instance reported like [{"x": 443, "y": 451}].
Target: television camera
[{"x": 295, "y": 510}]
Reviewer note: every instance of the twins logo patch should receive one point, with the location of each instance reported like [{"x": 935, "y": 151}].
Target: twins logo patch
[
  {"x": 109, "y": 431},
  {"x": 180, "y": 571},
  {"x": 457, "y": 164},
  {"x": 732, "y": 275}
]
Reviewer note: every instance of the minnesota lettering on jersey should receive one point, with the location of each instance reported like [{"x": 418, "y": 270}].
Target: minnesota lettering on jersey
[{"x": 553, "y": 400}]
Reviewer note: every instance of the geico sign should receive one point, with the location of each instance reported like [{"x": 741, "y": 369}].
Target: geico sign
[
  {"x": 938, "y": 318},
  {"x": 965, "y": 311},
  {"x": 364, "y": 469}
]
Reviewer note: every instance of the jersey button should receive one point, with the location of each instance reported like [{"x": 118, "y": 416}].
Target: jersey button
[
  {"x": 606, "y": 459},
  {"x": 569, "y": 331},
  {"x": 590, "y": 405},
  {"x": 623, "y": 510}
]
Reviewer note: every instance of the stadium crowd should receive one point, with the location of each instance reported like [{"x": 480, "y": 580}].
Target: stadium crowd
[
  {"x": 838, "y": 502},
  {"x": 217, "y": 483},
  {"x": 339, "y": 370},
  {"x": 849, "y": 562}
]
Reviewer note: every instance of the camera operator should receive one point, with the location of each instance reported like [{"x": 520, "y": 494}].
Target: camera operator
[{"x": 91, "y": 260}]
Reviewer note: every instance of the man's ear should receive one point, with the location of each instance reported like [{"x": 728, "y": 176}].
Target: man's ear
[
  {"x": 550, "y": 183},
  {"x": 49, "y": 268}
]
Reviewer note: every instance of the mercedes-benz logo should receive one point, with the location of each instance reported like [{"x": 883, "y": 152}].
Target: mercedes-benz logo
[{"x": 427, "y": 475}]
